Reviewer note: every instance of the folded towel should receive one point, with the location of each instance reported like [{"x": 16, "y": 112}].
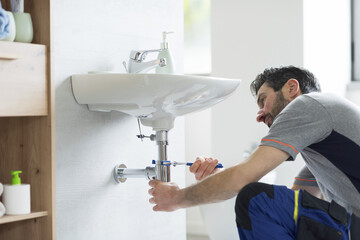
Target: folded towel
[
  {"x": 2, "y": 210},
  {"x": 4, "y": 23}
]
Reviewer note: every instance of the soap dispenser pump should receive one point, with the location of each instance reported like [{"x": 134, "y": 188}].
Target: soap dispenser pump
[
  {"x": 16, "y": 196},
  {"x": 165, "y": 53}
]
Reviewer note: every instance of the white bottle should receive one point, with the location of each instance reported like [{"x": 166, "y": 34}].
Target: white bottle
[
  {"x": 166, "y": 54},
  {"x": 16, "y": 196}
]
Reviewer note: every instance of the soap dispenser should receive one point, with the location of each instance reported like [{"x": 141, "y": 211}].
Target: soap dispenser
[
  {"x": 166, "y": 54},
  {"x": 16, "y": 196}
]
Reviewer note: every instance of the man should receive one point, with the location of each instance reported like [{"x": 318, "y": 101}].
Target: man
[{"x": 324, "y": 128}]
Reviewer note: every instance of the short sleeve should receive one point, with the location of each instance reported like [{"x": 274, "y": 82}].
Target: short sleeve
[
  {"x": 302, "y": 122},
  {"x": 305, "y": 178}
]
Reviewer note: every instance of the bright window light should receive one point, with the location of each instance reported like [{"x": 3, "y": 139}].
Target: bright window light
[
  {"x": 356, "y": 40},
  {"x": 197, "y": 44}
]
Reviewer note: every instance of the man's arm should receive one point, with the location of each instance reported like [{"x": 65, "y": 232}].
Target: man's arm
[
  {"x": 218, "y": 187},
  {"x": 305, "y": 180}
]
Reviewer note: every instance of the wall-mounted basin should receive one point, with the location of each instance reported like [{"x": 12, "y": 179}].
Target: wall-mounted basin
[{"x": 157, "y": 99}]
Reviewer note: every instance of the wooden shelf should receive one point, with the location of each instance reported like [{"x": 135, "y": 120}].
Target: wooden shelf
[{"x": 16, "y": 218}]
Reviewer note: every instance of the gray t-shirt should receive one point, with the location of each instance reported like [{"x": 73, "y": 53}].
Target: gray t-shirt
[
  {"x": 305, "y": 178},
  {"x": 325, "y": 129}
]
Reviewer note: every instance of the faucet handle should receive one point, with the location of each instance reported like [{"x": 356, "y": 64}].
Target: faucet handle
[
  {"x": 138, "y": 55},
  {"x": 124, "y": 64}
]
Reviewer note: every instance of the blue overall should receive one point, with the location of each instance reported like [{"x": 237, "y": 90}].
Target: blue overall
[{"x": 268, "y": 212}]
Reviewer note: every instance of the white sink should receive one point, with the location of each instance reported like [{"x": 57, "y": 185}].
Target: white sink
[{"x": 157, "y": 99}]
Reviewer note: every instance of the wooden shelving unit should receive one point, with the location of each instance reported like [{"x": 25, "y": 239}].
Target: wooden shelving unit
[
  {"x": 16, "y": 218},
  {"x": 27, "y": 125}
]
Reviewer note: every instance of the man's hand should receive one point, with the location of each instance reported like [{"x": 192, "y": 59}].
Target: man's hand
[
  {"x": 166, "y": 196},
  {"x": 218, "y": 187},
  {"x": 204, "y": 167}
]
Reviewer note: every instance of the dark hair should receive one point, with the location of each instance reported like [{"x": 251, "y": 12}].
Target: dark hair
[{"x": 277, "y": 77}]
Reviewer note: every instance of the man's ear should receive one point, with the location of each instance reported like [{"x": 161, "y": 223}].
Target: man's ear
[{"x": 293, "y": 88}]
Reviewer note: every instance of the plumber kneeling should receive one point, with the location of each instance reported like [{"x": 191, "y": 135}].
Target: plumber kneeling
[{"x": 324, "y": 202}]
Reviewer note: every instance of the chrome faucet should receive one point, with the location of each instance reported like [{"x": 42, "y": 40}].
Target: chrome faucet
[{"x": 137, "y": 64}]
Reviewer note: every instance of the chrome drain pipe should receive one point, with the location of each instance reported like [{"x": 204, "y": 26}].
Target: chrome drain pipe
[
  {"x": 159, "y": 172},
  {"x": 121, "y": 173},
  {"x": 162, "y": 172}
]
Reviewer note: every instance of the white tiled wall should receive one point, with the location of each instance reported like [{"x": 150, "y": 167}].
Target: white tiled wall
[{"x": 92, "y": 36}]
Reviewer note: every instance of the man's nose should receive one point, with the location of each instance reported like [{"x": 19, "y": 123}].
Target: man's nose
[{"x": 261, "y": 115}]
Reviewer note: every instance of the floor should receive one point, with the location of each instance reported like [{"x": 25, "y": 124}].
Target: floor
[{"x": 196, "y": 237}]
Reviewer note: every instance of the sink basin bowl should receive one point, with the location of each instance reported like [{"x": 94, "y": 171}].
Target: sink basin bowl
[{"x": 157, "y": 99}]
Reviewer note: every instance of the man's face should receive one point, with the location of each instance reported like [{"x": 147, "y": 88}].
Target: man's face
[{"x": 271, "y": 103}]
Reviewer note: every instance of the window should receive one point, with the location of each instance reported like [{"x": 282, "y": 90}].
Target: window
[
  {"x": 355, "y": 39},
  {"x": 197, "y": 44}
]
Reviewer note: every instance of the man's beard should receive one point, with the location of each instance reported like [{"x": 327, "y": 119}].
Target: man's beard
[{"x": 279, "y": 104}]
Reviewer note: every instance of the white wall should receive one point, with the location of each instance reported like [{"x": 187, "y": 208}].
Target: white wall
[
  {"x": 264, "y": 34},
  {"x": 353, "y": 92},
  {"x": 198, "y": 129},
  {"x": 91, "y": 35},
  {"x": 327, "y": 38},
  {"x": 251, "y": 35}
]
